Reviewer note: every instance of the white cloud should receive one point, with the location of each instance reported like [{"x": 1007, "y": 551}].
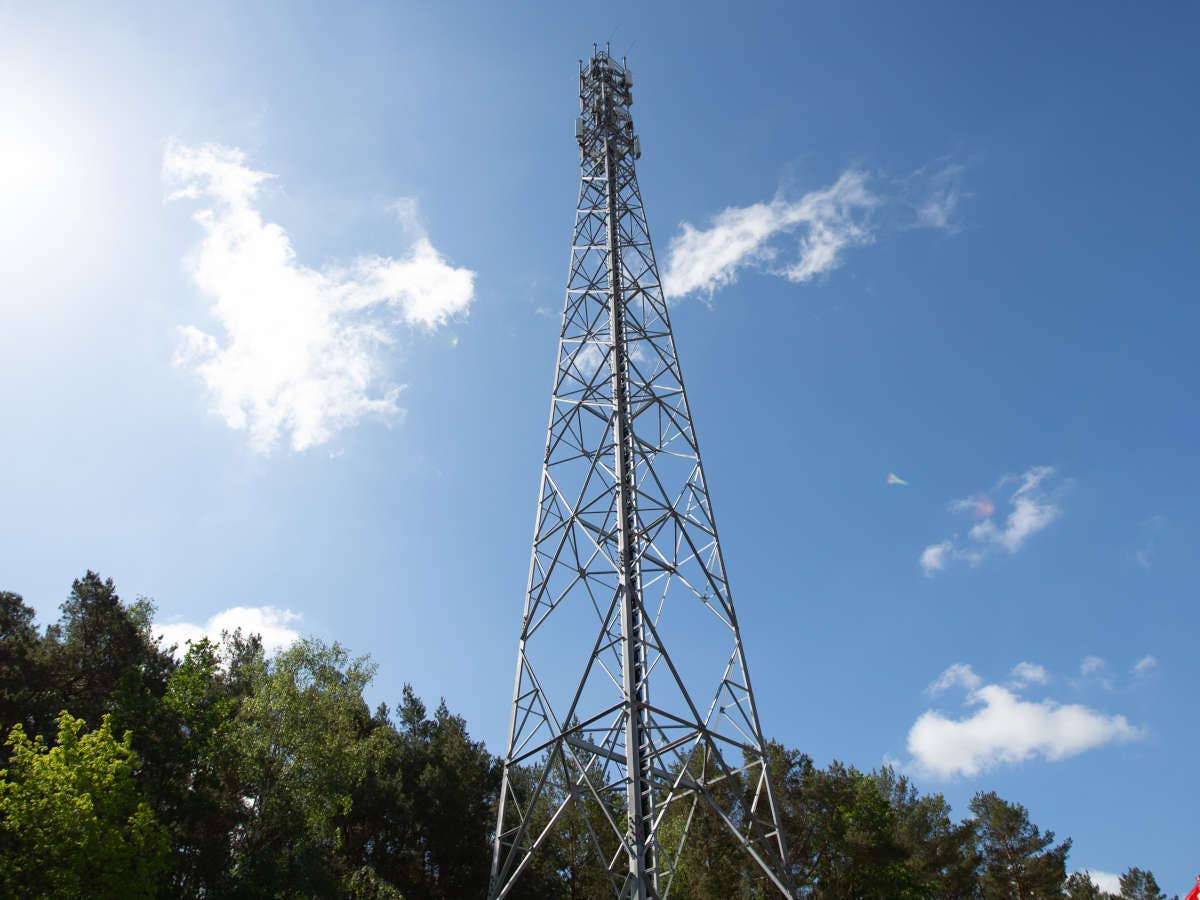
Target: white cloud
[
  {"x": 298, "y": 352},
  {"x": 1032, "y": 509},
  {"x": 1004, "y": 728},
  {"x": 1145, "y": 665},
  {"x": 1091, "y": 665},
  {"x": 1025, "y": 673},
  {"x": 829, "y": 221},
  {"x": 935, "y": 556},
  {"x": 273, "y": 624},
  {"x": 1031, "y": 512},
  {"x": 1108, "y": 882},
  {"x": 822, "y": 225},
  {"x": 957, "y": 675}
]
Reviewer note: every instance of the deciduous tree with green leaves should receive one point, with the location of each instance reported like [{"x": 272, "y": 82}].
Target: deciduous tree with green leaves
[
  {"x": 72, "y": 819},
  {"x": 300, "y": 734},
  {"x": 204, "y": 806}
]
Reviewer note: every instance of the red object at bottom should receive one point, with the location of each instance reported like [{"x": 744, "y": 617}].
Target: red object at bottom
[{"x": 1195, "y": 894}]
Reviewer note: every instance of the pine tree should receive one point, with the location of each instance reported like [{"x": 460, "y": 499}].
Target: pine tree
[
  {"x": 1018, "y": 860},
  {"x": 1139, "y": 884}
]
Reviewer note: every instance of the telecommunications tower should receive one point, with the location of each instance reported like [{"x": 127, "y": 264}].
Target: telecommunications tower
[{"x": 627, "y": 587}]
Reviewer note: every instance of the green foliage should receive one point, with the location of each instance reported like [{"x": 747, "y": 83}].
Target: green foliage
[
  {"x": 583, "y": 836},
  {"x": 712, "y": 866},
  {"x": 240, "y": 776},
  {"x": 203, "y": 804},
  {"x": 102, "y": 658},
  {"x": 1137, "y": 884},
  {"x": 73, "y": 821},
  {"x": 940, "y": 854},
  {"x": 301, "y": 756},
  {"x": 429, "y": 796},
  {"x": 554, "y": 874},
  {"x": 23, "y": 681},
  {"x": 1018, "y": 862},
  {"x": 1080, "y": 886},
  {"x": 845, "y": 833}
]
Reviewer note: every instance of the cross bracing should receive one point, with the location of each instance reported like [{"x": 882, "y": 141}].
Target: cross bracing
[{"x": 627, "y": 586}]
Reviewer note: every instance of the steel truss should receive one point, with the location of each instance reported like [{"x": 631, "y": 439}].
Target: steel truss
[{"x": 626, "y": 561}]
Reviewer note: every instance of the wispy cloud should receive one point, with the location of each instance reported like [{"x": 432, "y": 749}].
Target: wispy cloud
[
  {"x": 275, "y": 626},
  {"x": 1031, "y": 509},
  {"x": 1150, "y": 531},
  {"x": 936, "y": 557},
  {"x": 298, "y": 351},
  {"x": 937, "y": 194},
  {"x": 1031, "y": 512},
  {"x": 957, "y": 675},
  {"x": 826, "y": 222},
  {"x": 801, "y": 239},
  {"x": 1145, "y": 665},
  {"x": 1000, "y": 727},
  {"x": 1095, "y": 671},
  {"x": 1027, "y": 673}
]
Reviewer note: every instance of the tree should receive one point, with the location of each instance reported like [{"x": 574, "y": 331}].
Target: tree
[
  {"x": 271, "y": 778},
  {"x": 940, "y": 853},
  {"x": 103, "y": 655},
  {"x": 72, "y": 819},
  {"x": 205, "y": 807},
  {"x": 422, "y": 816},
  {"x": 1018, "y": 861},
  {"x": 1080, "y": 886},
  {"x": 711, "y": 866},
  {"x": 553, "y": 873},
  {"x": 1138, "y": 884},
  {"x": 23, "y": 679},
  {"x": 842, "y": 831},
  {"x": 103, "y": 659},
  {"x": 304, "y": 749}
]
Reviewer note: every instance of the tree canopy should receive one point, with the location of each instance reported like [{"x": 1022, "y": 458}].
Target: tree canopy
[{"x": 136, "y": 770}]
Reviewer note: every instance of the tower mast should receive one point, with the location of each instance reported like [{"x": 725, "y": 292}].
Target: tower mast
[
  {"x": 626, "y": 559},
  {"x": 639, "y": 787}
]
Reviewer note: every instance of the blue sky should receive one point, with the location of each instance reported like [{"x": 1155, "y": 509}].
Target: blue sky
[{"x": 1001, "y": 309}]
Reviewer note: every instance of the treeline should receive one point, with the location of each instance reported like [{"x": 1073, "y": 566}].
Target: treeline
[{"x": 225, "y": 773}]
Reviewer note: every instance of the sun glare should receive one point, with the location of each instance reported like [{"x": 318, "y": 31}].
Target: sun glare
[
  {"x": 50, "y": 158},
  {"x": 28, "y": 164}
]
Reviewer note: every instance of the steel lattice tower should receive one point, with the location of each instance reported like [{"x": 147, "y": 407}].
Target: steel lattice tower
[{"x": 625, "y": 564}]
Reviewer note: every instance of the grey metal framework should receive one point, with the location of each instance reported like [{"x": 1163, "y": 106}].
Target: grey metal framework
[{"x": 625, "y": 563}]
